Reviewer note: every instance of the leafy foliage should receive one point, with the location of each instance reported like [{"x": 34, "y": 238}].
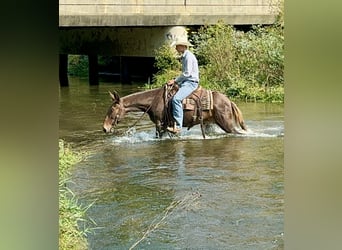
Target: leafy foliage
[
  {"x": 168, "y": 64},
  {"x": 214, "y": 50},
  {"x": 78, "y": 65},
  {"x": 243, "y": 65},
  {"x": 166, "y": 58}
]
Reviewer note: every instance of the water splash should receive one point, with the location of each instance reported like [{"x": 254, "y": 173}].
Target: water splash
[
  {"x": 262, "y": 129},
  {"x": 265, "y": 129}
]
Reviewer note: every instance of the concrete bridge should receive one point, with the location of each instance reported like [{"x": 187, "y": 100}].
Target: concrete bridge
[{"x": 132, "y": 29}]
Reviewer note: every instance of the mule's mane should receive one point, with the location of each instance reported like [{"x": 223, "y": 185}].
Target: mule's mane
[{"x": 142, "y": 93}]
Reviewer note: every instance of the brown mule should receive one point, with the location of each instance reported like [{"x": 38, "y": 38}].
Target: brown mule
[{"x": 201, "y": 107}]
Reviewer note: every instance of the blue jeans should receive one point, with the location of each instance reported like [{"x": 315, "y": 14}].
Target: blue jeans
[{"x": 185, "y": 89}]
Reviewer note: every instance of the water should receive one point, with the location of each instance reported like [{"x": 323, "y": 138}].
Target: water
[{"x": 224, "y": 192}]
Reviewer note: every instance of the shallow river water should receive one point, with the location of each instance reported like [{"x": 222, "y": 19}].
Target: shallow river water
[{"x": 223, "y": 192}]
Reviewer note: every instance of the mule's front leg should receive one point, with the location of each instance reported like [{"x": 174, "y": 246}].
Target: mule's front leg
[{"x": 159, "y": 131}]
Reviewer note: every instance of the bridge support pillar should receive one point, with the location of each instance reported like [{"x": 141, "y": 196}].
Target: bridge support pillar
[
  {"x": 124, "y": 70},
  {"x": 63, "y": 70},
  {"x": 93, "y": 70}
]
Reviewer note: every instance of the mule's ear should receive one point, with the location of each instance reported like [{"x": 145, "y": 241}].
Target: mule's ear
[
  {"x": 111, "y": 96},
  {"x": 115, "y": 96}
]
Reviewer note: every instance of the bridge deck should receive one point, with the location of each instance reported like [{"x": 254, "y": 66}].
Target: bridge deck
[{"x": 165, "y": 12}]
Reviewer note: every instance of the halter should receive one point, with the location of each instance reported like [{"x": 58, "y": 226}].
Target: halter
[
  {"x": 118, "y": 115},
  {"x": 166, "y": 97}
]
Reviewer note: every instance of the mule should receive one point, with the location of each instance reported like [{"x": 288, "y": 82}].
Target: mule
[{"x": 156, "y": 103}]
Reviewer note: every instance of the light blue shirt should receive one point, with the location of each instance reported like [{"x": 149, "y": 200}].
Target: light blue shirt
[{"x": 189, "y": 68}]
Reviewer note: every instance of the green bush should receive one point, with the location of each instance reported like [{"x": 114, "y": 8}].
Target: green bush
[
  {"x": 259, "y": 56},
  {"x": 215, "y": 52},
  {"x": 78, "y": 65},
  {"x": 168, "y": 65},
  {"x": 166, "y": 58},
  {"x": 244, "y": 65}
]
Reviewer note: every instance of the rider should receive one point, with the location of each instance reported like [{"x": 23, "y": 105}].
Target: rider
[{"x": 187, "y": 81}]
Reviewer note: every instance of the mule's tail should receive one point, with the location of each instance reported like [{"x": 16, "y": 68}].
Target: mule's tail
[{"x": 238, "y": 116}]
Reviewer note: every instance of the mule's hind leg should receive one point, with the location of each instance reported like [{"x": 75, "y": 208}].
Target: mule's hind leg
[{"x": 224, "y": 119}]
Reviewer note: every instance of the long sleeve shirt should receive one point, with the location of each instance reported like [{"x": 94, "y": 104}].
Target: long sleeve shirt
[{"x": 190, "y": 70}]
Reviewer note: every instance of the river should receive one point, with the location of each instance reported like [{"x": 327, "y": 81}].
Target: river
[{"x": 223, "y": 192}]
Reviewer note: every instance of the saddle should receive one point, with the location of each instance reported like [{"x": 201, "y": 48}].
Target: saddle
[{"x": 198, "y": 101}]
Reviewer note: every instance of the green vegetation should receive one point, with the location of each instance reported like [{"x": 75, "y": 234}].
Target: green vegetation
[
  {"x": 244, "y": 65},
  {"x": 78, "y": 65},
  {"x": 168, "y": 64},
  {"x": 70, "y": 212},
  {"x": 247, "y": 66}
]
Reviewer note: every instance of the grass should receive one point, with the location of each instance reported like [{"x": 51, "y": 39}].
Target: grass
[{"x": 71, "y": 213}]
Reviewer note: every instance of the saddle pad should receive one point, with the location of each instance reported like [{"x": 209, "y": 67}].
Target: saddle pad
[{"x": 205, "y": 99}]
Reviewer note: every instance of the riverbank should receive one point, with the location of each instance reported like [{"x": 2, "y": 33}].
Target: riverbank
[{"x": 71, "y": 236}]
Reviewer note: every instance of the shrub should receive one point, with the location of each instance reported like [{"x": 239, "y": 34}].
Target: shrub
[
  {"x": 259, "y": 56},
  {"x": 166, "y": 58},
  {"x": 168, "y": 65},
  {"x": 78, "y": 65},
  {"x": 243, "y": 65},
  {"x": 215, "y": 52}
]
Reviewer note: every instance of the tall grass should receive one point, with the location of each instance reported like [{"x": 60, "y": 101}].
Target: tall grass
[{"x": 71, "y": 213}]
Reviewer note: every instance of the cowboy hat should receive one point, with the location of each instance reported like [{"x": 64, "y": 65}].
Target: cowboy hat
[{"x": 181, "y": 41}]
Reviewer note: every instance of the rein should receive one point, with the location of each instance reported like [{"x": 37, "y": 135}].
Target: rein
[
  {"x": 168, "y": 88},
  {"x": 168, "y": 116},
  {"x": 139, "y": 119},
  {"x": 135, "y": 123}
]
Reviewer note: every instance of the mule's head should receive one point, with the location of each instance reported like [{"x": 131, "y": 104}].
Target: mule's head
[{"x": 114, "y": 114}]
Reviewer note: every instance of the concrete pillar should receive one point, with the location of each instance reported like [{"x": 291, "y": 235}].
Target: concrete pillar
[
  {"x": 93, "y": 70},
  {"x": 125, "y": 77},
  {"x": 63, "y": 70}
]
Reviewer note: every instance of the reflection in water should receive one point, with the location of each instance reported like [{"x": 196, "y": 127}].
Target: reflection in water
[
  {"x": 240, "y": 182},
  {"x": 225, "y": 192}
]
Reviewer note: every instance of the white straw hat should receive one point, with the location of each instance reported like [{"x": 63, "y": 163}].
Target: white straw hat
[{"x": 181, "y": 41}]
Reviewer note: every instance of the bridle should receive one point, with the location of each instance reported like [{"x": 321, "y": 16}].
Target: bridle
[
  {"x": 121, "y": 108},
  {"x": 117, "y": 117}
]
